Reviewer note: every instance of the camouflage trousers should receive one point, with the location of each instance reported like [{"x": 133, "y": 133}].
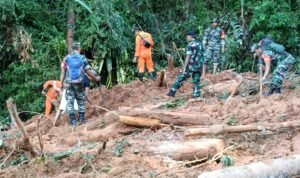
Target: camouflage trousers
[
  {"x": 212, "y": 52},
  {"x": 182, "y": 77},
  {"x": 281, "y": 70},
  {"x": 75, "y": 91}
]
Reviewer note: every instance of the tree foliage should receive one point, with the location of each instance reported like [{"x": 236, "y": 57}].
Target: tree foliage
[{"x": 33, "y": 33}]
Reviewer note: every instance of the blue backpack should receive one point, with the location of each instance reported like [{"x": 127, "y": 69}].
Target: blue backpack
[{"x": 75, "y": 68}]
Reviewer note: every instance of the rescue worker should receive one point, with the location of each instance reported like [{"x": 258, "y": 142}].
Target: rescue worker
[
  {"x": 192, "y": 66},
  {"x": 143, "y": 53},
  {"x": 51, "y": 89},
  {"x": 214, "y": 45},
  {"x": 63, "y": 103},
  {"x": 285, "y": 61},
  {"x": 73, "y": 68}
]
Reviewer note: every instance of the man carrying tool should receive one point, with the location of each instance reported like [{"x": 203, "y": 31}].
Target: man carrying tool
[
  {"x": 143, "y": 53},
  {"x": 63, "y": 103},
  {"x": 51, "y": 89},
  {"x": 73, "y": 68},
  {"x": 271, "y": 51},
  {"x": 192, "y": 66},
  {"x": 214, "y": 45}
]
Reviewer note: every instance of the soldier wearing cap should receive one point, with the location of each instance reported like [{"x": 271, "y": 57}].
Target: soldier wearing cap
[
  {"x": 285, "y": 62},
  {"x": 192, "y": 66},
  {"x": 73, "y": 69},
  {"x": 214, "y": 45}
]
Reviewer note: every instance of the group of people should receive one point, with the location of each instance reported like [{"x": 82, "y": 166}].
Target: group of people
[
  {"x": 199, "y": 55},
  {"x": 73, "y": 86},
  {"x": 76, "y": 72},
  {"x": 197, "y": 58}
]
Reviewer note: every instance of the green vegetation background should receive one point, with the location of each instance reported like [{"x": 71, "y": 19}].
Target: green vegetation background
[{"x": 39, "y": 28}]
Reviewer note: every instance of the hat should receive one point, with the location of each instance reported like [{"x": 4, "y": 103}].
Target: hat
[
  {"x": 75, "y": 45},
  {"x": 215, "y": 20},
  {"x": 191, "y": 33}
]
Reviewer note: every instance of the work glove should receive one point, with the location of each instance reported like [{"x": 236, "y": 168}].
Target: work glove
[{"x": 223, "y": 50}]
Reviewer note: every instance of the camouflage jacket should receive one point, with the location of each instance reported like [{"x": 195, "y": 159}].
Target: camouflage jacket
[
  {"x": 213, "y": 36},
  {"x": 195, "y": 50},
  {"x": 273, "y": 56}
]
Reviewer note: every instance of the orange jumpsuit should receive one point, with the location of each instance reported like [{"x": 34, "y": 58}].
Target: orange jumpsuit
[
  {"x": 144, "y": 54},
  {"x": 53, "y": 87}
]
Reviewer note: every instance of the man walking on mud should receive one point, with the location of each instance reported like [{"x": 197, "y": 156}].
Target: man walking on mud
[
  {"x": 270, "y": 51},
  {"x": 192, "y": 66},
  {"x": 73, "y": 69},
  {"x": 214, "y": 45},
  {"x": 143, "y": 53}
]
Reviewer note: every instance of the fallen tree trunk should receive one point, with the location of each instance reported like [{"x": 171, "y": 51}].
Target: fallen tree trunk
[
  {"x": 186, "y": 150},
  {"x": 103, "y": 135},
  {"x": 25, "y": 142},
  {"x": 220, "y": 129},
  {"x": 141, "y": 122},
  {"x": 282, "y": 167},
  {"x": 176, "y": 118}
]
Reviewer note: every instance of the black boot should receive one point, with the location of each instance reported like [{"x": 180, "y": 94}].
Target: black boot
[
  {"x": 277, "y": 90},
  {"x": 81, "y": 119},
  {"x": 270, "y": 91},
  {"x": 152, "y": 75},
  {"x": 72, "y": 119},
  {"x": 140, "y": 76},
  {"x": 171, "y": 93}
]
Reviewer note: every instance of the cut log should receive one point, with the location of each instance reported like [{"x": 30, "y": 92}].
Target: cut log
[
  {"x": 167, "y": 117},
  {"x": 226, "y": 86},
  {"x": 186, "y": 150},
  {"x": 25, "y": 142},
  {"x": 161, "y": 79},
  {"x": 282, "y": 167},
  {"x": 141, "y": 122},
  {"x": 170, "y": 62},
  {"x": 220, "y": 129}
]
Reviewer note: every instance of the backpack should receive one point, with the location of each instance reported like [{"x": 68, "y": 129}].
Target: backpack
[
  {"x": 145, "y": 42},
  {"x": 75, "y": 69},
  {"x": 269, "y": 44}
]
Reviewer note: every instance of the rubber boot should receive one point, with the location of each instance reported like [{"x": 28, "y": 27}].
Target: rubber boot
[
  {"x": 72, "y": 119},
  {"x": 140, "y": 76},
  {"x": 81, "y": 119},
  {"x": 270, "y": 91},
  {"x": 152, "y": 75},
  {"x": 171, "y": 93},
  {"x": 277, "y": 90}
]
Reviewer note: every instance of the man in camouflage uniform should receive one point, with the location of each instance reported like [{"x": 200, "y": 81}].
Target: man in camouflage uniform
[
  {"x": 214, "y": 45},
  {"x": 285, "y": 61},
  {"x": 75, "y": 90},
  {"x": 192, "y": 66}
]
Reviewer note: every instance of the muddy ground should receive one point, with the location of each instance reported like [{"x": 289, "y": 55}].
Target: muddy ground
[{"x": 124, "y": 154}]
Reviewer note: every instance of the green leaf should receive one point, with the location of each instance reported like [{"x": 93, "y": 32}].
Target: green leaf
[{"x": 83, "y": 4}]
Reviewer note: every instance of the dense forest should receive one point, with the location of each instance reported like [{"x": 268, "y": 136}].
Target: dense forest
[{"x": 33, "y": 37}]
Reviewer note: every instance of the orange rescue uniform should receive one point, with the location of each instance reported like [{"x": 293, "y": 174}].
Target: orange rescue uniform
[
  {"x": 53, "y": 87},
  {"x": 144, "y": 54}
]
